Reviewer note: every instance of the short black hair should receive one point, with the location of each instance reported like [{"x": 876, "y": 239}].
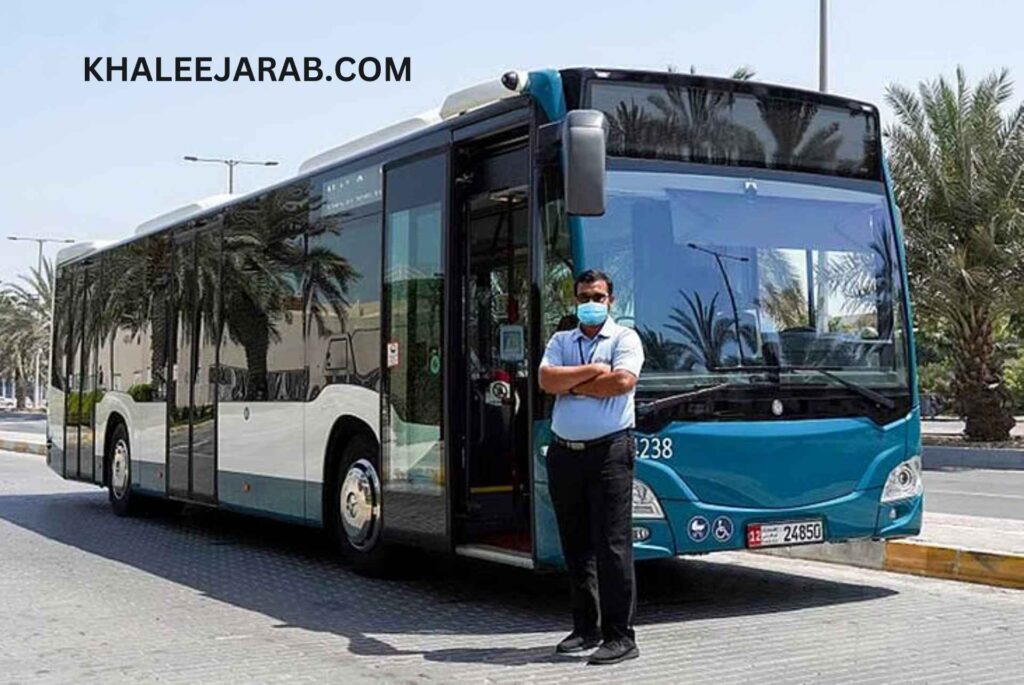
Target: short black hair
[{"x": 593, "y": 276}]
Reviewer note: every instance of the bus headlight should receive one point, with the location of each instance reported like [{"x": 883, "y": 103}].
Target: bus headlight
[
  {"x": 903, "y": 482},
  {"x": 645, "y": 502}
]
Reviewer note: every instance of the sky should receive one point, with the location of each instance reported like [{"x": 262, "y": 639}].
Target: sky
[{"x": 90, "y": 161}]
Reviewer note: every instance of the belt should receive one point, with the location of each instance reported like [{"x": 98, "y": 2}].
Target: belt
[{"x": 581, "y": 445}]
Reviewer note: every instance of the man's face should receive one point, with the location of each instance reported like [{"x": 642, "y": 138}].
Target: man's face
[{"x": 594, "y": 292}]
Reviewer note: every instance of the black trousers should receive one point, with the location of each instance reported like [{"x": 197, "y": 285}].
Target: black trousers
[{"x": 592, "y": 492}]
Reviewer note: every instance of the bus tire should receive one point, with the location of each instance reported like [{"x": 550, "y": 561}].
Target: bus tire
[
  {"x": 123, "y": 501},
  {"x": 355, "y": 506}
]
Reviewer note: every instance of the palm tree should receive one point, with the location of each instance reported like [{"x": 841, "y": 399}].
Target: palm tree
[
  {"x": 958, "y": 167},
  {"x": 25, "y": 329}
]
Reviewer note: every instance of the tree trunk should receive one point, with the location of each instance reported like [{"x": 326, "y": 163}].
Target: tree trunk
[
  {"x": 20, "y": 383},
  {"x": 982, "y": 397}
]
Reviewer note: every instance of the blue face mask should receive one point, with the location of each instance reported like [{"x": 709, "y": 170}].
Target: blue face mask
[{"x": 592, "y": 313}]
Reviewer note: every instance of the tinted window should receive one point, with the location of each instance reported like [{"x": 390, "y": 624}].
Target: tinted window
[
  {"x": 128, "y": 302},
  {"x": 342, "y": 291},
  {"x": 262, "y": 356},
  {"x": 143, "y": 317},
  {"x": 61, "y": 327},
  {"x": 702, "y": 124}
]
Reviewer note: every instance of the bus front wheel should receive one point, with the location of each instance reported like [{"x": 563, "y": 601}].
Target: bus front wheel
[
  {"x": 356, "y": 505},
  {"x": 119, "y": 473}
]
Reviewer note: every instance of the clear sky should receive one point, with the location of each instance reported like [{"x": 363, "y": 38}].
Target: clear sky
[{"x": 92, "y": 160}]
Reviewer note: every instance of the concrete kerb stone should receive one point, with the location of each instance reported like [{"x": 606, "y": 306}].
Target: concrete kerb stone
[
  {"x": 23, "y": 446},
  {"x": 916, "y": 558},
  {"x": 951, "y": 456}
]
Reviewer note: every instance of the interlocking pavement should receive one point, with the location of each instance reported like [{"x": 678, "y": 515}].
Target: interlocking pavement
[{"x": 212, "y": 597}]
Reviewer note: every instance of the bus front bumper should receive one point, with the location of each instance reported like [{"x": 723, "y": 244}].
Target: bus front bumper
[{"x": 691, "y": 527}]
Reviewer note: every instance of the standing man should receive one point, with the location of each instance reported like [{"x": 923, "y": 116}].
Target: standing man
[{"x": 592, "y": 371}]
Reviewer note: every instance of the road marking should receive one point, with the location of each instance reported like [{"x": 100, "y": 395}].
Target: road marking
[{"x": 971, "y": 494}]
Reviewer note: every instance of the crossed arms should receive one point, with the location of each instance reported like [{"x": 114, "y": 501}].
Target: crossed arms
[{"x": 593, "y": 380}]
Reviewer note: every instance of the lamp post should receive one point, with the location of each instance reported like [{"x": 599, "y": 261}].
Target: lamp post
[
  {"x": 728, "y": 287},
  {"x": 231, "y": 164},
  {"x": 40, "y": 241},
  {"x": 823, "y": 46},
  {"x": 39, "y": 270}
]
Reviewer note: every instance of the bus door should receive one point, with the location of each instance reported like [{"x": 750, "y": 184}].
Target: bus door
[
  {"x": 491, "y": 241},
  {"x": 414, "y": 446}
]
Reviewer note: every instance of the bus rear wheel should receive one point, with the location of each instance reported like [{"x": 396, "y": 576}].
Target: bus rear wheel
[{"x": 356, "y": 506}]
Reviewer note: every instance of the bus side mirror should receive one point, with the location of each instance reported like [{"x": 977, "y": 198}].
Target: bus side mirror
[{"x": 583, "y": 160}]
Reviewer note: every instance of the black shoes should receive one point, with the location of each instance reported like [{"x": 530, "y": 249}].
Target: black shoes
[
  {"x": 577, "y": 643},
  {"x": 614, "y": 651}
]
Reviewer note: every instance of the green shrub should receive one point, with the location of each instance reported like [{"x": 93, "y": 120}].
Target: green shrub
[
  {"x": 141, "y": 392},
  {"x": 1013, "y": 375},
  {"x": 936, "y": 378}
]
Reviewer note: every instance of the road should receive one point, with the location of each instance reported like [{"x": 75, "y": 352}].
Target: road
[
  {"x": 212, "y": 597},
  {"x": 950, "y": 426},
  {"x": 975, "y": 492},
  {"x": 15, "y": 422}
]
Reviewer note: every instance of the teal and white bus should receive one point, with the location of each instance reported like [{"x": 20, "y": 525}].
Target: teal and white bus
[{"x": 356, "y": 348}]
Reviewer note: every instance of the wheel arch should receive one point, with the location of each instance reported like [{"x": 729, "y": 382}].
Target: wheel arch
[
  {"x": 344, "y": 429},
  {"x": 114, "y": 419}
]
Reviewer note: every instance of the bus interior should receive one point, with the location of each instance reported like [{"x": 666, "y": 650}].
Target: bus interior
[{"x": 490, "y": 232}]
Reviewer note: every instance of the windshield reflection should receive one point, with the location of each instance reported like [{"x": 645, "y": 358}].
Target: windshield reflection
[{"x": 718, "y": 273}]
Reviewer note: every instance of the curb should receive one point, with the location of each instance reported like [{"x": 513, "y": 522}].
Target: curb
[
  {"x": 23, "y": 446},
  {"x": 916, "y": 558},
  {"x": 987, "y": 568},
  {"x": 949, "y": 456}
]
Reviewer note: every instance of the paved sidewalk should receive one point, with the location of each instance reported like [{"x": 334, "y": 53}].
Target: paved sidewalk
[
  {"x": 16, "y": 441},
  {"x": 980, "y": 533}
]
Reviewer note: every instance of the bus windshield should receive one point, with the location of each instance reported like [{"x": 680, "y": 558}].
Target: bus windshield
[{"x": 724, "y": 277}]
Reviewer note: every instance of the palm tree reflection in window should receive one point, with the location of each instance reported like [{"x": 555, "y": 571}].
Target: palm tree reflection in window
[
  {"x": 707, "y": 334},
  {"x": 719, "y": 126}
]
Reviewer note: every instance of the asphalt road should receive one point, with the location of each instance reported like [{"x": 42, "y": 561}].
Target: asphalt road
[
  {"x": 210, "y": 597},
  {"x": 17, "y": 422},
  {"x": 975, "y": 492}
]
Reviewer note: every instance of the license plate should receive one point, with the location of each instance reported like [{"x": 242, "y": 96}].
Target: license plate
[{"x": 786, "y": 533}]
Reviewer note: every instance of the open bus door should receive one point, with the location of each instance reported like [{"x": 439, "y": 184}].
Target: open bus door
[{"x": 413, "y": 440}]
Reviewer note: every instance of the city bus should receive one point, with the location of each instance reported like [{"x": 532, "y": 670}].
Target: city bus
[{"x": 356, "y": 348}]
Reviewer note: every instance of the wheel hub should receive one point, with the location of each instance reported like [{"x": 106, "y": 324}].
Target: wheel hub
[
  {"x": 360, "y": 504},
  {"x": 119, "y": 470}
]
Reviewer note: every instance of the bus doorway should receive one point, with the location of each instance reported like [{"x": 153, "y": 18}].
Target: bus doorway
[{"x": 491, "y": 244}]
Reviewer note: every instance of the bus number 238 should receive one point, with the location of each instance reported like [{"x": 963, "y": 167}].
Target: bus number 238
[{"x": 654, "y": 448}]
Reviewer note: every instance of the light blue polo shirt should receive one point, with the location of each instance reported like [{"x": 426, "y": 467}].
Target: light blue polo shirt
[{"x": 577, "y": 417}]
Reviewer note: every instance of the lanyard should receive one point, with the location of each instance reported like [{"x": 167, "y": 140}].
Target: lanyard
[{"x": 593, "y": 348}]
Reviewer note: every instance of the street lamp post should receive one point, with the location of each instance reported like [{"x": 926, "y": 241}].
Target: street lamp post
[
  {"x": 40, "y": 241},
  {"x": 231, "y": 164},
  {"x": 823, "y": 46},
  {"x": 39, "y": 270}
]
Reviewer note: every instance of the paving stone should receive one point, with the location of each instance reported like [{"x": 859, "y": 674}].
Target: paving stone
[{"x": 213, "y": 597}]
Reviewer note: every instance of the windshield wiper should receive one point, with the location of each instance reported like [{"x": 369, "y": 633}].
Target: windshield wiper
[
  {"x": 673, "y": 400},
  {"x": 862, "y": 390},
  {"x": 827, "y": 371}
]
